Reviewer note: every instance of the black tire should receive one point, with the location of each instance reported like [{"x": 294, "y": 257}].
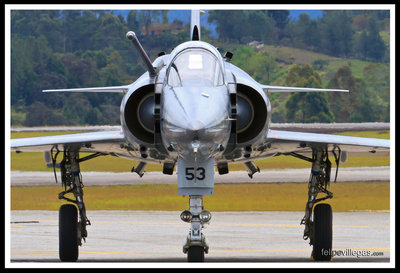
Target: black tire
[
  {"x": 68, "y": 233},
  {"x": 195, "y": 254},
  {"x": 322, "y": 248}
]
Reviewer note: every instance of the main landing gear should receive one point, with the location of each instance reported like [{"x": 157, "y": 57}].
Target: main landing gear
[
  {"x": 72, "y": 227},
  {"x": 319, "y": 229},
  {"x": 196, "y": 244}
]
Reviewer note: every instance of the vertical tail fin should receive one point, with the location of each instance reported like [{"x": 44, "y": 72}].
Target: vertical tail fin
[{"x": 195, "y": 25}]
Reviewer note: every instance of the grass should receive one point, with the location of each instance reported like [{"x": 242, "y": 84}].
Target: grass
[
  {"x": 236, "y": 197},
  {"x": 289, "y": 56},
  {"x": 40, "y": 133},
  {"x": 348, "y": 196},
  {"x": 33, "y": 161}
]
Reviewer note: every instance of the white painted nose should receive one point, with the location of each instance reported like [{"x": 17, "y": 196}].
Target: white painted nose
[{"x": 195, "y": 114}]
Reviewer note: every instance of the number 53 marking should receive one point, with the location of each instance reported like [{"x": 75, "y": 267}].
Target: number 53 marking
[{"x": 201, "y": 173}]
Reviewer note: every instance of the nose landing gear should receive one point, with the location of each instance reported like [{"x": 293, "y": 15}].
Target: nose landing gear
[{"x": 196, "y": 244}]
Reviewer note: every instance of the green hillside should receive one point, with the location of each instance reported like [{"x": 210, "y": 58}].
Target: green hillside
[{"x": 53, "y": 49}]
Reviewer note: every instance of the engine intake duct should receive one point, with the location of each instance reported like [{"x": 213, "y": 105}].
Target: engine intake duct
[
  {"x": 251, "y": 113},
  {"x": 139, "y": 113}
]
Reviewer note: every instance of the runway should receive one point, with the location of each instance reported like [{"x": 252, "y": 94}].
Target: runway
[
  {"x": 299, "y": 127},
  {"x": 265, "y": 176},
  {"x": 137, "y": 238},
  {"x": 155, "y": 238}
]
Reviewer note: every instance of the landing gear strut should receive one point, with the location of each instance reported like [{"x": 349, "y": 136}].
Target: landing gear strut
[
  {"x": 196, "y": 244},
  {"x": 72, "y": 228},
  {"x": 319, "y": 230}
]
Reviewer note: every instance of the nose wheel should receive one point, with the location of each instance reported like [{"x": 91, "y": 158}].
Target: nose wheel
[
  {"x": 195, "y": 254},
  {"x": 196, "y": 244}
]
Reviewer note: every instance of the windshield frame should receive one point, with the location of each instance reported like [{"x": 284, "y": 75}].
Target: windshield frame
[{"x": 197, "y": 67}]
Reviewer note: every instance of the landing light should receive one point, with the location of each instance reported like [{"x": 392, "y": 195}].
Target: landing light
[
  {"x": 186, "y": 216},
  {"x": 205, "y": 216}
]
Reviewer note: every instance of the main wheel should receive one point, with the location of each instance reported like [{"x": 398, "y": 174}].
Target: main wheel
[
  {"x": 195, "y": 254},
  {"x": 322, "y": 248},
  {"x": 68, "y": 233}
]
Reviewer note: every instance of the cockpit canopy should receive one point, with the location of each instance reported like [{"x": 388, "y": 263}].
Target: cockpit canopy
[{"x": 194, "y": 67}]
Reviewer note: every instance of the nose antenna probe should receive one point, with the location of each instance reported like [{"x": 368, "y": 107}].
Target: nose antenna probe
[{"x": 130, "y": 35}]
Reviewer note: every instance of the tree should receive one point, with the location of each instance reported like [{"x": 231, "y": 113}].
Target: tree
[
  {"x": 109, "y": 33},
  {"x": 49, "y": 26},
  {"x": 343, "y": 104},
  {"x": 305, "y": 32},
  {"x": 132, "y": 22},
  {"x": 40, "y": 114},
  {"x": 230, "y": 25},
  {"x": 336, "y": 33},
  {"x": 80, "y": 72},
  {"x": 244, "y": 25},
  {"x": 22, "y": 72},
  {"x": 70, "y": 29},
  {"x": 83, "y": 48},
  {"x": 281, "y": 17},
  {"x": 148, "y": 17},
  {"x": 164, "y": 17},
  {"x": 362, "y": 103},
  {"x": 306, "y": 107},
  {"x": 369, "y": 43},
  {"x": 259, "y": 65},
  {"x": 375, "y": 45}
]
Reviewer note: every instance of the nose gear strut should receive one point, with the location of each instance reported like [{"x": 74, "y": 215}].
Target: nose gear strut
[{"x": 196, "y": 244}]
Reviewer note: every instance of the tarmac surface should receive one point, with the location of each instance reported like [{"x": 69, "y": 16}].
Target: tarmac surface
[
  {"x": 237, "y": 239},
  {"x": 265, "y": 176},
  {"x": 155, "y": 238}
]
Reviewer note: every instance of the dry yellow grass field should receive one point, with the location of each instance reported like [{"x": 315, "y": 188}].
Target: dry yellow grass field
[
  {"x": 240, "y": 197},
  {"x": 348, "y": 196}
]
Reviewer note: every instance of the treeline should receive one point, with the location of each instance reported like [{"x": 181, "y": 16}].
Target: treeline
[
  {"x": 70, "y": 49},
  {"x": 364, "y": 103},
  {"x": 340, "y": 33}
]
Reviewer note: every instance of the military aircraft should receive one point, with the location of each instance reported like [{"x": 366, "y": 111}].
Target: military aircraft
[{"x": 194, "y": 109}]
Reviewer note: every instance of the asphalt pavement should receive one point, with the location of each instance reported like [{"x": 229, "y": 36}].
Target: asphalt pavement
[
  {"x": 155, "y": 238},
  {"x": 19, "y": 178}
]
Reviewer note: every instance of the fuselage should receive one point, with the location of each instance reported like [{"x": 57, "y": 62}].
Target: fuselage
[
  {"x": 197, "y": 106},
  {"x": 195, "y": 102}
]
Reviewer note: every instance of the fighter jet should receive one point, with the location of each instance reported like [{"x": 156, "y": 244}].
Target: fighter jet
[{"x": 195, "y": 110}]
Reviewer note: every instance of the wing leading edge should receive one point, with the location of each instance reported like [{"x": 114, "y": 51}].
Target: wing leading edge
[
  {"x": 287, "y": 89},
  {"x": 296, "y": 141},
  {"x": 80, "y": 140},
  {"x": 108, "y": 89}
]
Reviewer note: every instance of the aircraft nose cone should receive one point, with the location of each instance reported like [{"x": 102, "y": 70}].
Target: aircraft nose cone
[
  {"x": 196, "y": 114},
  {"x": 195, "y": 108},
  {"x": 196, "y": 124}
]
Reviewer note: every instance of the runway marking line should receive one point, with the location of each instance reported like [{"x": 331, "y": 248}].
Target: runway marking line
[
  {"x": 131, "y": 251},
  {"x": 34, "y": 252},
  {"x": 180, "y": 251},
  {"x": 219, "y": 224},
  {"x": 17, "y": 225},
  {"x": 350, "y": 226},
  {"x": 245, "y": 225}
]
